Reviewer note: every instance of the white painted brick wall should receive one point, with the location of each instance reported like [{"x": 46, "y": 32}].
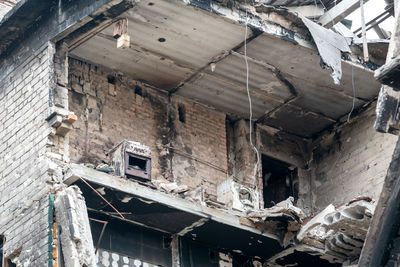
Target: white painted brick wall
[{"x": 23, "y": 168}]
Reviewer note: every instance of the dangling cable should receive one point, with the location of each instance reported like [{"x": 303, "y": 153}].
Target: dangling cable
[
  {"x": 354, "y": 93},
  {"x": 249, "y": 98}
]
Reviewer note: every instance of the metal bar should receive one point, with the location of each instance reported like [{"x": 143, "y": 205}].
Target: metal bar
[
  {"x": 374, "y": 19},
  {"x": 102, "y": 198},
  {"x": 364, "y": 32},
  {"x": 375, "y": 23},
  {"x": 102, "y": 231}
]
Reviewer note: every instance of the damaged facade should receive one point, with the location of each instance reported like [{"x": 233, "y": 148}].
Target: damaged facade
[{"x": 128, "y": 138}]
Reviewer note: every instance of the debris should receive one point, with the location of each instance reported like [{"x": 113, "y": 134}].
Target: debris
[
  {"x": 329, "y": 45},
  {"x": 339, "y": 232},
  {"x": 74, "y": 228},
  {"x": 104, "y": 167},
  {"x": 169, "y": 187},
  {"x": 284, "y": 217}
]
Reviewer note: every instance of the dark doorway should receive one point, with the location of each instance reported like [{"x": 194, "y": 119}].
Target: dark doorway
[{"x": 278, "y": 181}]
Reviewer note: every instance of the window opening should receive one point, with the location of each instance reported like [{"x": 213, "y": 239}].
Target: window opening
[
  {"x": 111, "y": 79},
  {"x": 137, "y": 166},
  {"x": 278, "y": 181},
  {"x": 138, "y": 90},
  {"x": 136, "y": 163},
  {"x": 182, "y": 113}
]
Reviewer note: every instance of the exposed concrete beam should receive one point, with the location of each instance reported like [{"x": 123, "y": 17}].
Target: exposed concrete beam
[
  {"x": 310, "y": 12},
  {"x": 76, "y": 172},
  {"x": 338, "y": 12}
]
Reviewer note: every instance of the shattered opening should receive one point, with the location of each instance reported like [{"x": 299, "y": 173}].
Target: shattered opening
[
  {"x": 182, "y": 113},
  {"x": 278, "y": 181},
  {"x": 137, "y": 167},
  {"x": 299, "y": 258}
]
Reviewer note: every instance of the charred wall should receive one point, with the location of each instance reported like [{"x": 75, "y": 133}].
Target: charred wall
[
  {"x": 350, "y": 161},
  {"x": 187, "y": 140}
]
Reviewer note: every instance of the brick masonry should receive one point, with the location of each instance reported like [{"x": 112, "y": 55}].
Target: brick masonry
[
  {"x": 334, "y": 168},
  {"x": 351, "y": 161},
  {"x": 24, "y": 96},
  {"x": 188, "y": 140}
]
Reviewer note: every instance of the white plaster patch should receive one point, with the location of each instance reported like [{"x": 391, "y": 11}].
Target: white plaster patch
[
  {"x": 101, "y": 190},
  {"x": 126, "y": 199}
]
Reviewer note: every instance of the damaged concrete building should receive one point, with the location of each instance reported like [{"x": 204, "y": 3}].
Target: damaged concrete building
[{"x": 191, "y": 133}]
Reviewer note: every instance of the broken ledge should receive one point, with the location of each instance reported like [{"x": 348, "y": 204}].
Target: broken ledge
[
  {"x": 160, "y": 211},
  {"x": 76, "y": 172}
]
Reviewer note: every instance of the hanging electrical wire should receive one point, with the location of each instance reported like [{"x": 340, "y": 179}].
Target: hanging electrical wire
[
  {"x": 249, "y": 99},
  {"x": 352, "y": 72},
  {"x": 354, "y": 93}
]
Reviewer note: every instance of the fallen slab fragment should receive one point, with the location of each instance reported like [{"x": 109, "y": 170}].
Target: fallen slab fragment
[
  {"x": 330, "y": 46},
  {"x": 74, "y": 228}
]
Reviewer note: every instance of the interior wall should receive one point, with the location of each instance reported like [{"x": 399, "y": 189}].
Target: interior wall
[
  {"x": 187, "y": 140},
  {"x": 350, "y": 161}
]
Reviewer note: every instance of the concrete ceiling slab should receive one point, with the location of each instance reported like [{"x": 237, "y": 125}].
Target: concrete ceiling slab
[
  {"x": 295, "y": 120},
  {"x": 262, "y": 78},
  {"x": 169, "y": 41},
  {"x": 322, "y": 99},
  {"x": 173, "y": 43},
  {"x": 138, "y": 64},
  {"x": 229, "y": 97},
  {"x": 304, "y": 64}
]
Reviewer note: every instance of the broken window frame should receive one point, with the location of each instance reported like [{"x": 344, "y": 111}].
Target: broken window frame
[
  {"x": 291, "y": 171},
  {"x": 135, "y": 173}
]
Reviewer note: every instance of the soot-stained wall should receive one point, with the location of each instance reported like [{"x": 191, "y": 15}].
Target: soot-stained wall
[{"x": 187, "y": 140}]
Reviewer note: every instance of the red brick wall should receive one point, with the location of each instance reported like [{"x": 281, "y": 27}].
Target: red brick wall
[
  {"x": 192, "y": 152},
  {"x": 203, "y": 137}
]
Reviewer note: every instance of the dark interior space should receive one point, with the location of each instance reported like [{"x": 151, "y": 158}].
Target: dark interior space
[
  {"x": 196, "y": 254},
  {"x": 302, "y": 259},
  {"x": 131, "y": 240},
  {"x": 137, "y": 167},
  {"x": 137, "y": 163},
  {"x": 278, "y": 181},
  {"x": 240, "y": 260}
]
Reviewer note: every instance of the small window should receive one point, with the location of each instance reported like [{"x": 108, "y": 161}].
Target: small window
[
  {"x": 137, "y": 166},
  {"x": 138, "y": 90},
  {"x": 137, "y": 163},
  {"x": 279, "y": 180},
  {"x": 111, "y": 79},
  {"x": 182, "y": 113}
]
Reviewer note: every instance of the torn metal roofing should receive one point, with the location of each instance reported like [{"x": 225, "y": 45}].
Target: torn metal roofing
[{"x": 173, "y": 44}]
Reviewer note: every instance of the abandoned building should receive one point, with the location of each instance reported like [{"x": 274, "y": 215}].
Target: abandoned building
[{"x": 198, "y": 133}]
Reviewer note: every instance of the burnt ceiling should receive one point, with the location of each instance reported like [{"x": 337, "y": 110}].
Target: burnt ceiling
[{"x": 188, "y": 51}]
